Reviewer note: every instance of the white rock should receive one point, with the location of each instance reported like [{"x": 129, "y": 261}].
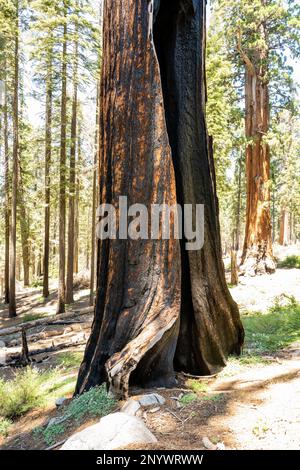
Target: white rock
[
  {"x": 150, "y": 399},
  {"x": 131, "y": 407},
  {"x": 221, "y": 446},
  {"x": 114, "y": 431}
]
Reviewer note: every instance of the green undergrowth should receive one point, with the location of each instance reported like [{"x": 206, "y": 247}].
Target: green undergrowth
[
  {"x": 93, "y": 404},
  {"x": 290, "y": 262}
]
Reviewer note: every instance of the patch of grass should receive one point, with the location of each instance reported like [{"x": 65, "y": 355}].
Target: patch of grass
[
  {"x": 69, "y": 360},
  {"x": 274, "y": 330},
  {"x": 214, "y": 398},
  {"x": 197, "y": 386},
  {"x": 290, "y": 262},
  {"x": 22, "y": 394},
  {"x": 5, "y": 425},
  {"x": 32, "y": 317},
  {"x": 188, "y": 398}
]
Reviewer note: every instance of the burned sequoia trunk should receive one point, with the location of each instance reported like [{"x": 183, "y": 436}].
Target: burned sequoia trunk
[{"x": 159, "y": 308}]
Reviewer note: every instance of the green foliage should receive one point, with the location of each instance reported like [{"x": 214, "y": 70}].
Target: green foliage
[
  {"x": 22, "y": 394},
  {"x": 290, "y": 262},
  {"x": 274, "y": 330},
  {"x": 197, "y": 386},
  {"x": 51, "y": 433},
  {"x": 5, "y": 425},
  {"x": 92, "y": 404},
  {"x": 188, "y": 398},
  {"x": 96, "y": 402}
]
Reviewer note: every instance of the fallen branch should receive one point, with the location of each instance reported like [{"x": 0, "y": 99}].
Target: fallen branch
[
  {"x": 16, "y": 358},
  {"x": 199, "y": 377},
  {"x": 61, "y": 443}
]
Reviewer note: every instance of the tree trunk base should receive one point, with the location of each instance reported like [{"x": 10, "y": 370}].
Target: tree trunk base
[{"x": 256, "y": 264}]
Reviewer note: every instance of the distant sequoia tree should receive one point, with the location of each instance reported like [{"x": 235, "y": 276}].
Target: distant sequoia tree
[{"x": 159, "y": 308}]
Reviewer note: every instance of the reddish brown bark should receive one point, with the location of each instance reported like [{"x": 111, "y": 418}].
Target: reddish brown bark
[
  {"x": 159, "y": 308},
  {"x": 257, "y": 255}
]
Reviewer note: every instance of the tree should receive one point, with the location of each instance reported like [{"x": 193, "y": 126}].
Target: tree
[
  {"x": 259, "y": 34},
  {"x": 159, "y": 307},
  {"x": 13, "y": 228},
  {"x": 72, "y": 177},
  {"x": 62, "y": 167}
]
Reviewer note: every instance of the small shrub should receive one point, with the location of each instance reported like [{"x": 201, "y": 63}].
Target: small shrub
[
  {"x": 290, "y": 262},
  {"x": 197, "y": 386},
  {"x": 21, "y": 394},
  {"x": 95, "y": 402},
  {"x": 188, "y": 398},
  {"x": 5, "y": 424},
  {"x": 51, "y": 433}
]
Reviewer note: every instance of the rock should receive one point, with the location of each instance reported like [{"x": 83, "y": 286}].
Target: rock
[
  {"x": 60, "y": 401},
  {"x": 131, "y": 407},
  {"x": 221, "y": 446},
  {"x": 114, "y": 431},
  {"x": 150, "y": 400},
  {"x": 55, "y": 421},
  {"x": 13, "y": 343},
  {"x": 208, "y": 444}
]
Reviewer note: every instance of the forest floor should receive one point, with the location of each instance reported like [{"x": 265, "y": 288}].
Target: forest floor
[{"x": 254, "y": 403}]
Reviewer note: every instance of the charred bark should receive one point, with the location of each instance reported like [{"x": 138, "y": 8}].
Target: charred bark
[{"x": 159, "y": 308}]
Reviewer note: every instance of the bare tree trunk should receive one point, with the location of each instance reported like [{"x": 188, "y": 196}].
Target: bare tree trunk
[
  {"x": 7, "y": 195},
  {"x": 93, "y": 243},
  {"x": 62, "y": 177},
  {"x": 24, "y": 225},
  {"x": 48, "y": 153},
  {"x": 284, "y": 231},
  {"x": 13, "y": 228},
  {"x": 159, "y": 308},
  {"x": 72, "y": 180}
]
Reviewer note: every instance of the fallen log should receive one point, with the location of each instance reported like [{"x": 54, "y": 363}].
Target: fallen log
[
  {"x": 44, "y": 321},
  {"x": 15, "y": 359}
]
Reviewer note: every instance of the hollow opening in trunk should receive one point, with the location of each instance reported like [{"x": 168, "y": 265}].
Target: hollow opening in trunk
[{"x": 171, "y": 18}]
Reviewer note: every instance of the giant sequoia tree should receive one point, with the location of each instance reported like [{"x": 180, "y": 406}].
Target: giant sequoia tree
[{"x": 159, "y": 307}]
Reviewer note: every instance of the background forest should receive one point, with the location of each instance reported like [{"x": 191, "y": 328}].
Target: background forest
[{"x": 50, "y": 57}]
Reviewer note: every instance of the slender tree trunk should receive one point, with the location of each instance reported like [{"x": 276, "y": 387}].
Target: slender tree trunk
[
  {"x": 284, "y": 230},
  {"x": 24, "y": 225},
  {"x": 62, "y": 177},
  {"x": 13, "y": 229},
  {"x": 93, "y": 241},
  {"x": 48, "y": 152},
  {"x": 238, "y": 209},
  {"x": 77, "y": 206},
  {"x": 72, "y": 180},
  {"x": 257, "y": 255},
  {"x": 159, "y": 308},
  {"x": 7, "y": 195}
]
